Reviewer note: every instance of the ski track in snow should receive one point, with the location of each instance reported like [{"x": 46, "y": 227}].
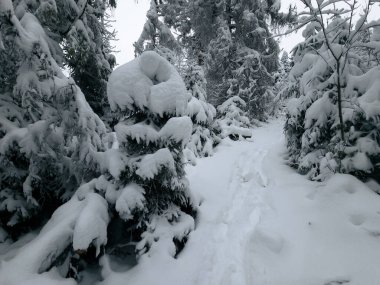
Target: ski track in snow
[
  {"x": 230, "y": 263},
  {"x": 241, "y": 217}
]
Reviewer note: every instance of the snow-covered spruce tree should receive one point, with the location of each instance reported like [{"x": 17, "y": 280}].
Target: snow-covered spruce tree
[
  {"x": 252, "y": 54},
  {"x": 156, "y": 35},
  {"x": 48, "y": 132},
  {"x": 219, "y": 64},
  {"x": 283, "y": 88},
  {"x": 331, "y": 127},
  {"x": 253, "y": 84},
  {"x": 82, "y": 28},
  {"x": 151, "y": 99},
  {"x": 85, "y": 30},
  {"x": 201, "y": 113}
]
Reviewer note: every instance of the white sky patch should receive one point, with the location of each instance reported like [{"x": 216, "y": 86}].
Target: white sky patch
[{"x": 129, "y": 17}]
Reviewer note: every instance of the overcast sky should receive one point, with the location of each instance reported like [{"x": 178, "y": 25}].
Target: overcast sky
[{"x": 130, "y": 17}]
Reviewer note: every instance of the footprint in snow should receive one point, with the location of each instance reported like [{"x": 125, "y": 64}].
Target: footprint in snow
[{"x": 357, "y": 219}]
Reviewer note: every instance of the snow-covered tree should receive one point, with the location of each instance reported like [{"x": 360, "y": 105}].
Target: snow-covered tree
[
  {"x": 243, "y": 53},
  {"x": 83, "y": 29},
  {"x": 151, "y": 99},
  {"x": 202, "y": 114},
  {"x": 253, "y": 84},
  {"x": 283, "y": 88},
  {"x": 232, "y": 121},
  {"x": 48, "y": 133},
  {"x": 156, "y": 35},
  {"x": 219, "y": 67},
  {"x": 215, "y": 34},
  {"x": 86, "y": 35},
  {"x": 330, "y": 127}
]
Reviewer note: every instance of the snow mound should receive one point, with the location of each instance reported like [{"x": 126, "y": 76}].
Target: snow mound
[
  {"x": 151, "y": 164},
  {"x": 160, "y": 235},
  {"x": 139, "y": 132},
  {"x": 91, "y": 226},
  {"x": 149, "y": 82},
  {"x": 368, "y": 87},
  {"x": 38, "y": 255},
  {"x": 131, "y": 197},
  {"x": 113, "y": 161},
  {"x": 177, "y": 129}
]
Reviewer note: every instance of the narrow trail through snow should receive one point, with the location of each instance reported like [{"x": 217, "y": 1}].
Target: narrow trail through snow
[{"x": 234, "y": 220}]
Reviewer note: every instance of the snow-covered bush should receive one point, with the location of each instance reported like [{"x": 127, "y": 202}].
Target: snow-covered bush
[
  {"x": 333, "y": 125},
  {"x": 232, "y": 121},
  {"x": 48, "y": 133}
]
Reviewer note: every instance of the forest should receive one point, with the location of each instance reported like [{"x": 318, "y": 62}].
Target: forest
[{"x": 213, "y": 157}]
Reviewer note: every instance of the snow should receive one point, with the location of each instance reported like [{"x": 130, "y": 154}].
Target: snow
[
  {"x": 199, "y": 108},
  {"x": 139, "y": 132},
  {"x": 113, "y": 161},
  {"x": 12, "y": 136},
  {"x": 91, "y": 225},
  {"x": 359, "y": 161},
  {"x": 160, "y": 236},
  {"x": 259, "y": 222},
  {"x": 151, "y": 164},
  {"x": 131, "y": 197},
  {"x": 35, "y": 256},
  {"x": 148, "y": 81},
  {"x": 368, "y": 86},
  {"x": 6, "y": 6},
  {"x": 177, "y": 129},
  {"x": 319, "y": 112}
]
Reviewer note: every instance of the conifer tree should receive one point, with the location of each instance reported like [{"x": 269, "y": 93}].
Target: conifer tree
[
  {"x": 156, "y": 35},
  {"x": 202, "y": 114},
  {"x": 87, "y": 48},
  {"x": 83, "y": 29},
  {"x": 151, "y": 99},
  {"x": 49, "y": 135}
]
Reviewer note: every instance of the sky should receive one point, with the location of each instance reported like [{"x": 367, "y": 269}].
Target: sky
[{"x": 130, "y": 17}]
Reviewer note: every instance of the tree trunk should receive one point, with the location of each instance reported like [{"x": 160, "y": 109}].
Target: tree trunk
[{"x": 340, "y": 104}]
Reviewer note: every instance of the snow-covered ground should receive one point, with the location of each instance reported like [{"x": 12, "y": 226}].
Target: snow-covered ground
[{"x": 260, "y": 222}]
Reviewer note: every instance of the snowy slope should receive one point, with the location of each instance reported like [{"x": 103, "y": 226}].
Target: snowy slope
[{"x": 260, "y": 223}]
